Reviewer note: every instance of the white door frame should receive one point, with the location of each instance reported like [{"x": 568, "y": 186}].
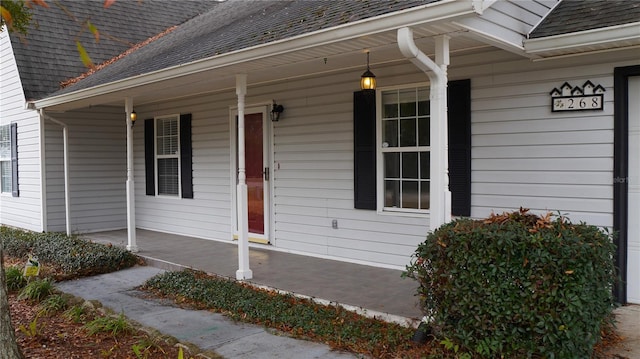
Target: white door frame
[
  {"x": 267, "y": 161},
  {"x": 633, "y": 229}
]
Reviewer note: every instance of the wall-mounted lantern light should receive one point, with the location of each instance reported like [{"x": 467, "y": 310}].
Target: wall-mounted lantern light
[
  {"x": 134, "y": 117},
  {"x": 276, "y": 111},
  {"x": 368, "y": 79}
]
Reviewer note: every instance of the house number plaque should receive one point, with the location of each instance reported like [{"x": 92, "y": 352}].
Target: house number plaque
[{"x": 568, "y": 98}]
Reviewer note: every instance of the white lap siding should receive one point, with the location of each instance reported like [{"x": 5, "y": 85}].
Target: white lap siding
[
  {"x": 208, "y": 214},
  {"x": 523, "y": 155},
  {"x": 23, "y": 211},
  {"x": 97, "y": 170}
]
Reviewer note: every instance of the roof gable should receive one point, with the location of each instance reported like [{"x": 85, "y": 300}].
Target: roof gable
[
  {"x": 48, "y": 55},
  {"x": 576, "y": 16}
]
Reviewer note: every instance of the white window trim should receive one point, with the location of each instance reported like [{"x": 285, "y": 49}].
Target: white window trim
[
  {"x": 381, "y": 209},
  {"x": 7, "y": 159},
  {"x": 156, "y": 157}
]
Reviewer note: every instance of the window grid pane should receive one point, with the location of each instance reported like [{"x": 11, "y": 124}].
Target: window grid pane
[
  {"x": 405, "y": 147},
  {"x": 167, "y": 151},
  {"x": 5, "y": 142},
  {"x": 168, "y": 176},
  {"x": 167, "y": 136},
  {"x": 5, "y": 176}
]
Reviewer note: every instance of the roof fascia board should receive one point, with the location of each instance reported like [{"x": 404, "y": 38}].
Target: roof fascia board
[
  {"x": 481, "y": 5},
  {"x": 424, "y": 14},
  {"x": 583, "y": 39}
]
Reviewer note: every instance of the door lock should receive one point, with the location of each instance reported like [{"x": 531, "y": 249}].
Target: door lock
[{"x": 266, "y": 173}]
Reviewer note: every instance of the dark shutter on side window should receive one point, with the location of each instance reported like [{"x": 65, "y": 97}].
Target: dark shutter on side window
[
  {"x": 364, "y": 149},
  {"x": 459, "y": 107},
  {"x": 14, "y": 160},
  {"x": 186, "y": 156},
  {"x": 149, "y": 157}
]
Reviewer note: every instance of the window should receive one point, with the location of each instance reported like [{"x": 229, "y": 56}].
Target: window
[
  {"x": 5, "y": 159},
  {"x": 404, "y": 146},
  {"x": 9, "y": 159},
  {"x": 168, "y": 156}
]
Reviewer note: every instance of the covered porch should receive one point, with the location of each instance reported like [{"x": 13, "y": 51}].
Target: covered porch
[{"x": 377, "y": 291}]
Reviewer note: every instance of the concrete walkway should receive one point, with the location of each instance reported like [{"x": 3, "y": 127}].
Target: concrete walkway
[
  {"x": 377, "y": 291},
  {"x": 209, "y": 331}
]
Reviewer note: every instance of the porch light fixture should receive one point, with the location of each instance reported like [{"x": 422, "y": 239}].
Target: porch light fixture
[
  {"x": 134, "y": 117},
  {"x": 368, "y": 79},
  {"x": 276, "y": 111}
]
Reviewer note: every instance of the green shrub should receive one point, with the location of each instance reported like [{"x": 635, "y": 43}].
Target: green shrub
[
  {"x": 37, "y": 290},
  {"x": 76, "y": 256},
  {"x": 14, "y": 278},
  {"x": 517, "y": 285}
]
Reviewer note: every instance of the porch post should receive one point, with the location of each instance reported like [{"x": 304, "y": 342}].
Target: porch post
[
  {"x": 243, "y": 271},
  {"x": 131, "y": 205},
  {"x": 440, "y": 196},
  {"x": 438, "y": 106}
]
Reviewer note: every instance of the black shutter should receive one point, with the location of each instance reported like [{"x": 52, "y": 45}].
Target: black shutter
[
  {"x": 364, "y": 149},
  {"x": 149, "y": 157},
  {"x": 459, "y": 129},
  {"x": 13, "y": 139},
  {"x": 186, "y": 158}
]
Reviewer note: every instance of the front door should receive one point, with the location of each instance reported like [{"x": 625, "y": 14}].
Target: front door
[
  {"x": 257, "y": 173},
  {"x": 633, "y": 231}
]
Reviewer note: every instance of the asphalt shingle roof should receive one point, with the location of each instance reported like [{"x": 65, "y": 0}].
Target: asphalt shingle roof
[
  {"x": 581, "y": 15},
  {"x": 48, "y": 54},
  {"x": 239, "y": 24}
]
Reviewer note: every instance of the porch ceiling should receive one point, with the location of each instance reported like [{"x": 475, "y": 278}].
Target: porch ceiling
[{"x": 303, "y": 62}]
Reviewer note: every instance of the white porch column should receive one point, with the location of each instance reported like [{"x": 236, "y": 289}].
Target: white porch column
[
  {"x": 65, "y": 159},
  {"x": 440, "y": 196},
  {"x": 243, "y": 271},
  {"x": 131, "y": 201}
]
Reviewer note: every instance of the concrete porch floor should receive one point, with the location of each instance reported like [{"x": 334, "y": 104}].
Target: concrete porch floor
[{"x": 377, "y": 290}]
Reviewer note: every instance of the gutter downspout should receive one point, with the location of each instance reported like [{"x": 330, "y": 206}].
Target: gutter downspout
[
  {"x": 65, "y": 145},
  {"x": 440, "y": 196},
  {"x": 243, "y": 271}
]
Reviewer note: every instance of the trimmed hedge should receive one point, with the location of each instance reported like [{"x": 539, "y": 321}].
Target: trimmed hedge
[
  {"x": 517, "y": 285},
  {"x": 76, "y": 256}
]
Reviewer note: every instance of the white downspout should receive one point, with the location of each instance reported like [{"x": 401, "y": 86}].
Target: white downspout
[
  {"x": 440, "y": 196},
  {"x": 243, "y": 271},
  {"x": 65, "y": 145},
  {"x": 131, "y": 195}
]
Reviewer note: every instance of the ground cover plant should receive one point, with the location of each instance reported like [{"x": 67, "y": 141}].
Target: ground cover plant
[
  {"x": 69, "y": 257},
  {"x": 516, "y": 285},
  {"x": 298, "y": 317}
]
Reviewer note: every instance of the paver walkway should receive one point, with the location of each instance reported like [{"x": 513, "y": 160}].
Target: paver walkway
[{"x": 379, "y": 291}]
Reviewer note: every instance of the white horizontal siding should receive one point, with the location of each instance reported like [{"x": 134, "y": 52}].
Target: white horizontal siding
[
  {"x": 208, "y": 214},
  {"x": 97, "y": 170},
  {"x": 313, "y": 178},
  {"x": 23, "y": 211},
  {"x": 523, "y": 155}
]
